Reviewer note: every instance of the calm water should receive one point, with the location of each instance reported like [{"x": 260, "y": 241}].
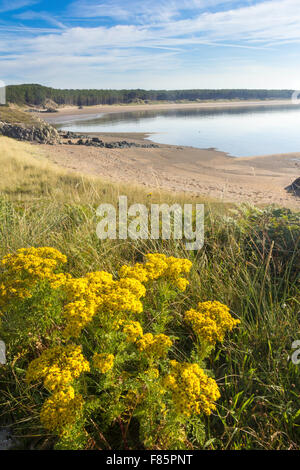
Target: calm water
[{"x": 244, "y": 131}]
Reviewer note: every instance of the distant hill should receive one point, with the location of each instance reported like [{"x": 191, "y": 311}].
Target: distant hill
[{"x": 39, "y": 95}]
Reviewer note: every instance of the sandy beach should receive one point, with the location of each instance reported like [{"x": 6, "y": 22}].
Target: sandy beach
[
  {"x": 259, "y": 180},
  {"x": 73, "y": 112}
]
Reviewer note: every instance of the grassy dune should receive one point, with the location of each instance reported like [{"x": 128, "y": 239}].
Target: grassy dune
[
  {"x": 250, "y": 262},
  {"x": 14, "y": 115}
]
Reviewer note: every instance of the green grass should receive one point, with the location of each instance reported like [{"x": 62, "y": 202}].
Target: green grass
[{"x": 250, "y": 261}]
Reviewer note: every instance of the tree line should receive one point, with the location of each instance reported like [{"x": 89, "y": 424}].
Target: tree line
[{"x": 32, "y": 94}]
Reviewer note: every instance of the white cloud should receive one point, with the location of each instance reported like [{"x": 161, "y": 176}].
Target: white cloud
[
  {"x": 130, "y": 53},
  {"x": 263, "y": 22}
]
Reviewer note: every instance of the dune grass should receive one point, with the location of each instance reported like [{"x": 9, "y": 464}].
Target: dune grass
[
  {"x": 250, "y": 261},
  {"x": 14, "y": 115}
]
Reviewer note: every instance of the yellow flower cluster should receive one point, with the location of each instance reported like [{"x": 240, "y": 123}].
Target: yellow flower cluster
[
  {"x": 210, "y": 321},
  {"x": 58, "y": 366},
  {"x": 104, "y": 362},
  {"x": 157, "y": 266},
  {"x": 193, "y": 392},
  {"x": 28, "y": 266},
  {"x": 83, "y": 300},
  {"x": 93, "y": 294},
  {"x": 113, "y": 303},
  {"x": 39, "y": 262},
  {"x": 124, "y": 297},
  {"x": 61, "y": 410},
  {"x": 138, "y": 272},
  {"x": 133, "y": 331},
  {"x": 96, "y": 293},
  {"x": 154, "y": 345}
]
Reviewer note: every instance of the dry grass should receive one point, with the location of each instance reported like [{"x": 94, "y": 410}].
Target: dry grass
[
  {"x": 27, "y": 175},
  {"x": 14, "y": 115}
]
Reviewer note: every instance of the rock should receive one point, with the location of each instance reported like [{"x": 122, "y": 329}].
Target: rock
[
  {"x": 96, "y": 142},
  {"x": 294, "y": 187},
  {"x": 40, "y": 132},
  {"x": 51, "y": 110}
]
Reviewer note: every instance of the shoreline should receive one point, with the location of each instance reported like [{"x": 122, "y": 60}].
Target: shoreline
[
  {"x": 209, "y": 172},
  {"x": 68, "y": 114},
  {"x": 71, "y": 113}
]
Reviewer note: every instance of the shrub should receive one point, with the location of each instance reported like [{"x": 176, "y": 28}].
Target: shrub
[
  {"x": 115, "y": 367},
  {"x": 271, "y": 231}
]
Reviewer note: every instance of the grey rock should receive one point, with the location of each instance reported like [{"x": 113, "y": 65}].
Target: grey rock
[
  {"x": 41, "y": 132},
  {"x": 294, "y": 188}
]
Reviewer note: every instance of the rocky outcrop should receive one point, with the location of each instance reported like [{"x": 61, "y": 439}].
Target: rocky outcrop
[
  {"x": 294, "y": 187},
  {"x": 78, "y": 139},
  {"x": 40, "y": 132},
  {"x": 95, "y": 142}
]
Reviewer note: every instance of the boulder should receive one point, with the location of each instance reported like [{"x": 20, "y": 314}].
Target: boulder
[
  {"x": 294, "y": 187},
  {"x": 40, "y": 132}
]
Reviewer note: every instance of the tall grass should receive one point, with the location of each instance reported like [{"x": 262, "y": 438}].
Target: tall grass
[{"x": 241, "y": 265}]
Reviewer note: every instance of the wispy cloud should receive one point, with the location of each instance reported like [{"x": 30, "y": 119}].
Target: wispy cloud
[
  {"x": 142, "y": 11},
  {"x": 147, "y": 39},
  {"x": 44, "y": 16},
  {"x": 11, "y": 5}
]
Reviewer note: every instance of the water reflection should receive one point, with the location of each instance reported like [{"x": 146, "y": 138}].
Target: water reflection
[{"x": 242, "y": 131}]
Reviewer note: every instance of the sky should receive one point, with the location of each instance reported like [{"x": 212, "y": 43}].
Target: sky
[{"x": 151, "y": 44}]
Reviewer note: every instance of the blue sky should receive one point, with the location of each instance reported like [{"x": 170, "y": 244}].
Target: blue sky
[{"x": 151, "y": 43}]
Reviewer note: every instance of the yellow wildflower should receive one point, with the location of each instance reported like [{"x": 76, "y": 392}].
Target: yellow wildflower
[
  {"x": 61, "y": 409},
  {"x": 210, "y": 321},
  {"x": 98, "y": 293},
  {"x": 28, "y": 266},
  {"x": 58, "y": 366},
  {"x": 133, "y": 331},
  {"x": 104, "y": 362},
  {"x": 193, "y": 392},
  {"x": 158, "y": 266},
  {"x": 154, "y": 345},
  {"x": 137, "y": 272}
]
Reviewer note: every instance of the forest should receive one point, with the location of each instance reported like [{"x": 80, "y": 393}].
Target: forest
[{"x": 33, "y": 94}]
